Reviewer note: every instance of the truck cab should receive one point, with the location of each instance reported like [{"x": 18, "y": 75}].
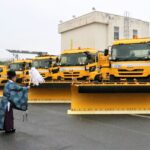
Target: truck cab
[
  {"x": 21, "y": 67},
  {"x": 130, "y": 60},
  {"x": 77, "y": 64},
  {"x": 44, "y": 65}
]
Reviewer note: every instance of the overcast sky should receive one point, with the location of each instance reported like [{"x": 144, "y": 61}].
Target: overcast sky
[{"x": 33, "y": 24}]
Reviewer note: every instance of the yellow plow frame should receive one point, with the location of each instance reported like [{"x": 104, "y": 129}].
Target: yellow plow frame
[
  {"x": 51, "y": 92},
  {"x": 110, "y": 98}
]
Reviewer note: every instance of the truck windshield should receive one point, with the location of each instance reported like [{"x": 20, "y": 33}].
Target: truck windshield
[
  {"x": 17, "y": 66},
  {"x": 39, "y": 64},
  {"x": 131, "y": 52},
  {"x": 76, "y": 59}
]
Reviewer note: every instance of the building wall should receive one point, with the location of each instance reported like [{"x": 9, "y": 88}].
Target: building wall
[
  {"x": 90, "y": 36},
  {"x": 96, "y": 30},
  {"x": 141, "y": 26}
]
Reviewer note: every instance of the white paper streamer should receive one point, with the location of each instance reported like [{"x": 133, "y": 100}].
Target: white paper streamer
[{"x": 35, "y": 77}]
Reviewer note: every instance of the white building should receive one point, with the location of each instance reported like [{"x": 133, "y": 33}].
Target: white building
[{"x": 98, "y": 30}]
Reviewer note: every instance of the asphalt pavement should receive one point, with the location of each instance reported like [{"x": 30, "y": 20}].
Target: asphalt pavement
[{"x": 49, "y": 128}]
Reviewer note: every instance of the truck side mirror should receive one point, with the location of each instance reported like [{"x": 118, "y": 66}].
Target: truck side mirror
[
  {"x": 30, "y": 65},
  {"x": 50, "y": 60},
  {"x": 106, "y": 52},
  {"x": 8, "y": 66},
  {"x": 24, "y": 65},
  {"x": 57, "y": 60}
]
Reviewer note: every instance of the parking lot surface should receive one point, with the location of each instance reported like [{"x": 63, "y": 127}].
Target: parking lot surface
[{"x": 50, "y": 128}]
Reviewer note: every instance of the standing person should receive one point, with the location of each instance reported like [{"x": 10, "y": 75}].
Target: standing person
[{"x": 14, "y": 96}]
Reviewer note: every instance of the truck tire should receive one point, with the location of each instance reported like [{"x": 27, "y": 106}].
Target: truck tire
[
  {"x": 98, "y": 78},
  {"x": 113, "y": 79}
]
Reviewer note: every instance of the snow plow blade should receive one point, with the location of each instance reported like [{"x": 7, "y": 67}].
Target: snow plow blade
[
  {"x": 52, "y": 92},
  {"x": 110, "y": 98}
]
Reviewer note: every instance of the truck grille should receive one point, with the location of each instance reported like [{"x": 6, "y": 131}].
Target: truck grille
[
  {"x": 71, "y": 74},
  {"x": 138, "y": 72}
]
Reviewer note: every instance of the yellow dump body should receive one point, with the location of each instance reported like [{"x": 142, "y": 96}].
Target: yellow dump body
[
  {"x": 77, "y": 64},
  {"x": 22, "y": 69},
  {"x": 130, "y": 60},
  {"x": 110, "y": 98}
]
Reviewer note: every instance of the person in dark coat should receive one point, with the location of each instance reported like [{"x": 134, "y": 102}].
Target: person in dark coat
[{"x": 14, "y": 97}]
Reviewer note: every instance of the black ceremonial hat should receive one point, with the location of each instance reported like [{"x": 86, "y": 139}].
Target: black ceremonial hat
[{"x": 11, "y": 74}]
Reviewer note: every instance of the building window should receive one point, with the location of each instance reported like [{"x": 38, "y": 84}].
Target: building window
[
  {"x": 135, "y": 33},
  {"x": 116, "y": 33}
]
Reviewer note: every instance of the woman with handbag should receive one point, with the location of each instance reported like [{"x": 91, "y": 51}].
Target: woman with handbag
[{"x": 14, "y": 97}]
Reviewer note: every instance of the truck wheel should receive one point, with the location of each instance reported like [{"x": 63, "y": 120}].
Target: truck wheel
[
  {"x": 59, "y": 78},
  {"x": 98, "y": 78},
  {"x": 48, "y": 79},
  {"x": 114, "y": 79},
  {"x": 19, "y": 80}
]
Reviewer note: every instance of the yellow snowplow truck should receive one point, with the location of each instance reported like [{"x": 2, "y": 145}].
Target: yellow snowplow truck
[
  {"x": 128, "y": 92},
  {"x": 130, "y": 60},
  {"x": 76, "y": 65},
  {"x": 44, "y": 64},
  {"x": 79, "y": 64},
  {"x": 22, "y": 69},
  {"x": 50, "y": 91}
]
